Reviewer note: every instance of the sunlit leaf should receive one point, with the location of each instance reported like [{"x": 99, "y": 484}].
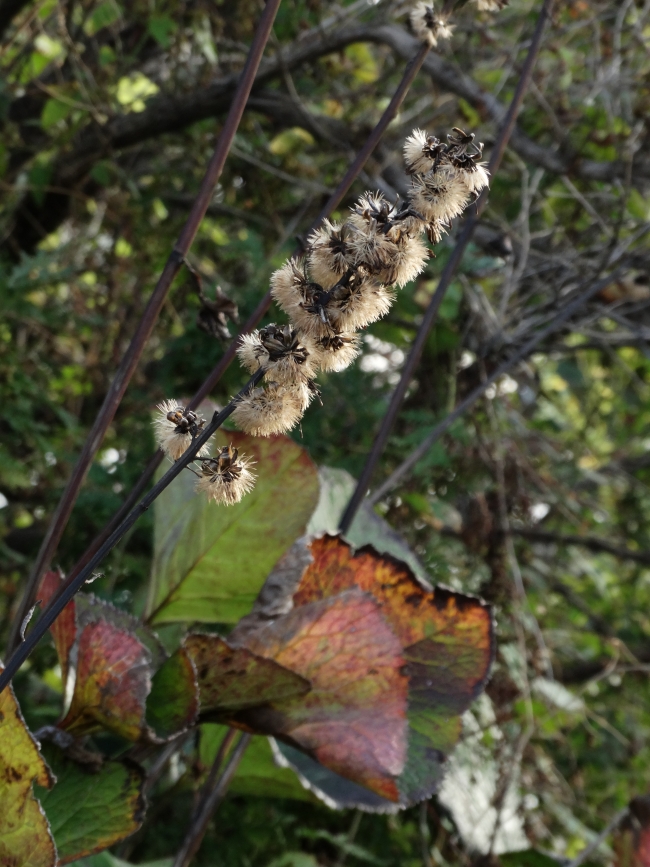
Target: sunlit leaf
[
  {"x": 210, "y": 562},
  {"x": 89, "y": 811},
  {"x": 25, "y": 836}
]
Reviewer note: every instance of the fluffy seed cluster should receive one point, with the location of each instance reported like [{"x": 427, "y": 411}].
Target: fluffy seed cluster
[
  {"x": 349, "y": 275},
  {"x": 175, "y": 428},
  {"x": 347, "y": 279},
  {"x": 226, "y": 477},
  {"x": 430, "y": 27}
]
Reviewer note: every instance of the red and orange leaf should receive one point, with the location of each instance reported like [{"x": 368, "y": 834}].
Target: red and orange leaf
[
  {"x": 112, "y": 682},
  {"x": 354, "y": 718},
  {"x": 444, "y": 641},
  {"x": 25, "y": 836},
  {"x": 234, "y": 678}
]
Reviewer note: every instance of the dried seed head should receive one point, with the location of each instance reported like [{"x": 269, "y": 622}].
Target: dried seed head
[
  {"x": 175, "y": 427},
  {"x": 439, "y": 195},
  {"x": 272, "y": 409},
  {"x": 475, "y": 178},
  {"x": 279, "y": 350},
  {"x": 362, "y": 301},
  {"x": 422, "y": 152},
  {"x": 330, "y": 256},
  {"x": 226, "y": 477},
  {"x": 411, "y": 257},
  {"x": 428, "y": 26},
  {"x": 338, "y": 351},
  {"x": 301, "y": 299}
]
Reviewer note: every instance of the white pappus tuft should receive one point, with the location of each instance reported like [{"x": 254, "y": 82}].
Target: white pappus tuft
[
  {"x": 439, "y": 195},
  {"x": 226, "y": 477},
  {"x": 422, "y": 151},
  {"x": 175, "y": 427},
  {"x": 330, "y": 255},
  {"x": 428, "y": 26},
  {"x": 271, "y": 409},
  {"x": 279, "y": 350},
  {"x": 338, "y": 351}
]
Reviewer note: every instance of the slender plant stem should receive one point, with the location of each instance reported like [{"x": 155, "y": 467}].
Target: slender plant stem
[
  {"x": 480, "y": 390},
  {"x": 72, "y": 586},
  {"x": 253, "y": 320},
  {"x": 447, "y": 276},
  {"x": 213, "y": 793},
  {"x": 582, "y": 856},
  {"x": 148, "y": 320}
]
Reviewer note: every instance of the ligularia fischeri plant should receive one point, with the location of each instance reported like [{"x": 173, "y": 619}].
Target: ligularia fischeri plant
[{"x": 346, "y": 279}]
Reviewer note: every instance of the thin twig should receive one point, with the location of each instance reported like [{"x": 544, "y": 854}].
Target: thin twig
[
  {"x": 556, "y": 324},
  {"x": 582, "y": 856},
  {"x": 72, "y": 586},
  {"x": 149, "y": 318},
  {"x": 446, "y": 278},
  {"x": 265, "y": 302},
  {"x": 213, "y": 793}
]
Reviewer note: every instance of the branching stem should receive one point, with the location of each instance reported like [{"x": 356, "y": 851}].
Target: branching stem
[
  {"x": 73, "y": 585},
  {"x": 148, "y": 320}
]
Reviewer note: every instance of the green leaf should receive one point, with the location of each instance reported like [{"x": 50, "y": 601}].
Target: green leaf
[
  {"x": 211, "y": 561},
  {"x": 25, "y": 836},
  {"x": 55, "y": 110},
  {"x": 90, "y": 811},
  {"x": 161, "y": 28},
  {"x": 173, "y": 703}
]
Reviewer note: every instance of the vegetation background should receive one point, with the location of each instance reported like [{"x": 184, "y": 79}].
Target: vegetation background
[{"x": 538, "y": 499}]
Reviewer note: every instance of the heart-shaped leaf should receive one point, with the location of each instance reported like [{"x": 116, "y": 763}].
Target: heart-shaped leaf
[
  {"x": 25, "y": 836},
  {"x": 89, "y": 810},
  {"x": 393, "y": 664},
  {"x": 209, "y": 561}
]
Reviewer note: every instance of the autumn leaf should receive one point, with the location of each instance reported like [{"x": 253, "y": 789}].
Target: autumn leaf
[
  {"x": 91, "y": 810},
  {"x": 392, "y": 664},
  {"x": 25, "y": 836},
  {"x": 232, "y": 679},
  {"x": 121, "y": 674}
]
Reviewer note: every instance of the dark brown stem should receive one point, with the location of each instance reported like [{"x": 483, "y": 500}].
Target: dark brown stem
[
  {"x": 149, "y": 317},
  {"x": 253, "y": 320},
  {"x": 213, "y": 793},
  {"x": 480, "y": 390},
  {"x": 67, "y": 590},
  {"x": 447, "y": 276},
  {"x": 592, "y": 543}
]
